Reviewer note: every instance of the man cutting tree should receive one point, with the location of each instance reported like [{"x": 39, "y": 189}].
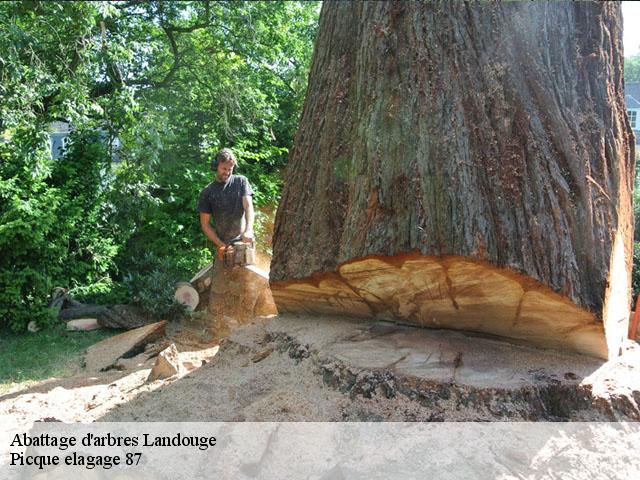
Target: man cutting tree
[
  {"x": 236, "y": 293},
  {"x": 228, "y": 202}
]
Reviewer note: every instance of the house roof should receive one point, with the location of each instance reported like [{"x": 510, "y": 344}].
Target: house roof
[{"x": 632, "y": 94}]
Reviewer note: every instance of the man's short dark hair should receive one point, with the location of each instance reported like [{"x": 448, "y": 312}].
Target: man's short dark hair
[{"x": 223, "y": 156}]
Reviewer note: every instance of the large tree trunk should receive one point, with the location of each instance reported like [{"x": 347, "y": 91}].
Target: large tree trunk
[{"x": 489, "y": 141}]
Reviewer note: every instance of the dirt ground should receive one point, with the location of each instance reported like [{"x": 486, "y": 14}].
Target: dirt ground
[{"x": 336, "y": 369}]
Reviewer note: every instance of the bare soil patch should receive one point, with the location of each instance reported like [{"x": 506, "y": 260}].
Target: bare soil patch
[{"x": 296, "y": 368}]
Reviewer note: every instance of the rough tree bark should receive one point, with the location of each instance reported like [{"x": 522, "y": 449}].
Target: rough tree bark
[{"x": 464, "y": 165}]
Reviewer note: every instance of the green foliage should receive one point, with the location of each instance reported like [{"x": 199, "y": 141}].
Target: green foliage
[
  {"x": 261, "y": 230},
  {"x": 175, "y": 81},
  {"x": 52, "y": 230},
  {"x": 104, "y": 291},
  {"x": 29, "y": 255},
  {"x": 152, "y": 283},
  {"x": 243, "y": 87},
  {"x": 82, "y": 223},
  {"x": 159, "y": 216},
  {"x": 632, "y": 68},
  {"x": 261, "y": 166}
]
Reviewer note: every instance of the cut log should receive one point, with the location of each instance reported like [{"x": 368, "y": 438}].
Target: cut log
[
  {"x": 492, "y": 133},
  {"x": 83, "y": 324},
  {"x": 202, "y": 280},
  {"x": 104, "y": 354},
  {"x": 186, "y": 295},
  {"x": 84, "y": 311},
  {"x": 123, "y": 316},
  {"x": 202, "y": 284},
  {"x": 111, "y": 316},
  {"x": 240, "y": 293},
  {"x": 60, "y": 299}
]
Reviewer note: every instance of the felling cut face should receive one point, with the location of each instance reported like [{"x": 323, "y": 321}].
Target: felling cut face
[
  {"x": 224, "y": 171},
  {"x": 450, "y": 292}
]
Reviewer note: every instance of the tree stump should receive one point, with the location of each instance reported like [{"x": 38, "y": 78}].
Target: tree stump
[{"x": 240, "y": 293}]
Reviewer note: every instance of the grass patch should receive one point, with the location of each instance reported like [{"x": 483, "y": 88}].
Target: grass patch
[{"x": 33, "y": 357}]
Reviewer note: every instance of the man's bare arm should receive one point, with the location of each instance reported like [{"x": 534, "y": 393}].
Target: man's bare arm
[
  {"x": 247, "y": 203},
  {"x": 205, "y": 225}
]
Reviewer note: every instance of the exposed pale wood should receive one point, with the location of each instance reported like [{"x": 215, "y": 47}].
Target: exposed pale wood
[
  {"x": 202, "y": 284},
  {"x": 326, "y": 293},
  {"x": 448, "y": 292},
  {"x": 186, "y": 295},
  {"x": 240, "y": 293},
  {"x": 167, "y": 364},
  {"x": 104, "y": 354},
  {"x": 83, "y": 324}
]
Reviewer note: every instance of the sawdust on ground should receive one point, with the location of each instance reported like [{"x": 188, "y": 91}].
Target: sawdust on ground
[{"x": 251, "y": 378}]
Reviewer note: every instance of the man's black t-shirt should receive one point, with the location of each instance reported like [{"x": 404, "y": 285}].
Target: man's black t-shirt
[{"x": 224, "y": 202}]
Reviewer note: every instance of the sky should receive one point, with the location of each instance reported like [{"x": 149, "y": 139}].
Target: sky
[{"x": 631, "y": 24}]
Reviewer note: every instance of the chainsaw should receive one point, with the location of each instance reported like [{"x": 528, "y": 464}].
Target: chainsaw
[{"x": 238, "y": 254}]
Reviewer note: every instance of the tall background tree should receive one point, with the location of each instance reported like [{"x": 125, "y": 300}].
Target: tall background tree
[{"x": 490, "y": 138}]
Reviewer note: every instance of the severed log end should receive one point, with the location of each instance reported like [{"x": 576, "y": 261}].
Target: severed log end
[
  {"x": 186, "y": 295},
  {"x": 83, "y": 324},
  {"x": 447, "y": 292}
]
